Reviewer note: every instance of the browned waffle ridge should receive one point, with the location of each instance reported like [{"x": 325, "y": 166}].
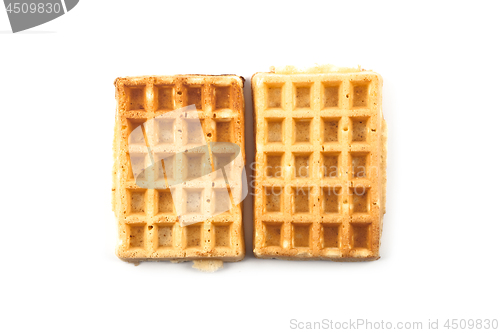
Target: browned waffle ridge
[
  {"x": 148, "y": 226},
  {"x": 320, "y": 164}
]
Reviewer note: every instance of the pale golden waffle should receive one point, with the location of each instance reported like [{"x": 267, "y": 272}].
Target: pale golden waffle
[
  {"x": 320, "y": 164},
  {"x": 148, "y": 224}
]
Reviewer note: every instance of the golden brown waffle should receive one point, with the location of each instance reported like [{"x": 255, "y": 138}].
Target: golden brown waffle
[
  {"x": 320, "y": 164},
  {"x": 148, "y": 223}
]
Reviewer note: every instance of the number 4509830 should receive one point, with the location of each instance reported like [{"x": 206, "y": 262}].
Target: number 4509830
[
  {"x": 32, "y": 8},
  {"x": 471, "y": 324}
]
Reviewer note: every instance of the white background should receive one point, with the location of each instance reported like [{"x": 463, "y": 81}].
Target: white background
[{"x": 440, "y": 243}]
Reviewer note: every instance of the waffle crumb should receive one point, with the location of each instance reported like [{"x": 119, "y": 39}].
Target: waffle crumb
[
  {"x": 208, "y": 266},
  {"x": 317, "y": 69}
]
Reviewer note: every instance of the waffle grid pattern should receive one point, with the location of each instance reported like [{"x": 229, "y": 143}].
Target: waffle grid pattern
[
  {"x": 148, "y": 223},
  {"x": 318, "y": 188}
]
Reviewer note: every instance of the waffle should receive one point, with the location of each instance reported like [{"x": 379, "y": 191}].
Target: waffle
[
  {"x": 157, "y": 165},
  {"x": 320, "y": 164}
]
